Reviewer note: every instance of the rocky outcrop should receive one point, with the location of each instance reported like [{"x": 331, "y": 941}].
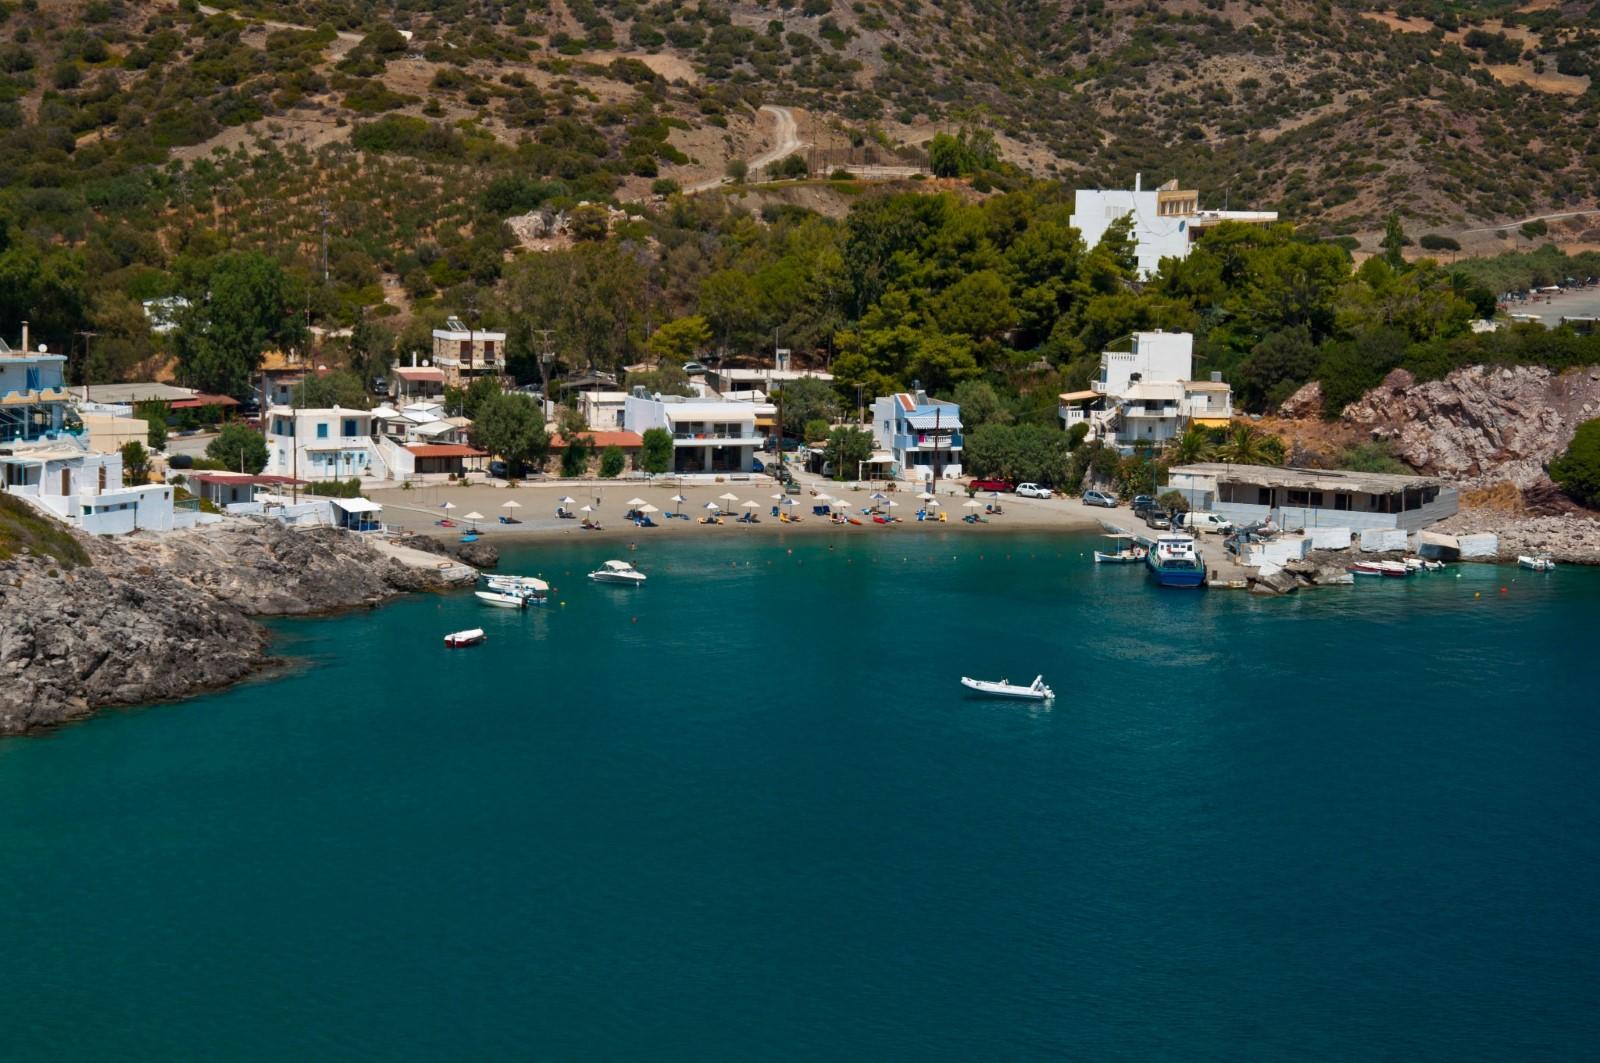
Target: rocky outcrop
[
  {"x": 1480, "y": 425},
  {"x": 1305, "y": 402},
  {"x": 1572, "y": 539},
  {"x": 162, "y": 617}
]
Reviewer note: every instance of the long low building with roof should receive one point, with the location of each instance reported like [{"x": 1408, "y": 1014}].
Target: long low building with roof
[{"x": 1310, "y": 498}]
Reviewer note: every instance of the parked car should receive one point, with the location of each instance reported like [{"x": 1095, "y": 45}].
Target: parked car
[
  {"x": 1032, "y": 491},
  {"x": 1157, "y": 520},
  {"x": 1205, "y": 522},
  {"x": 1143, "y": 502},
  {"x": 693, "y": 368},
  {"x": 991, "y": 485},
  {"x": 1099, "y": 498},
  {"x": 499, "y": 470}
]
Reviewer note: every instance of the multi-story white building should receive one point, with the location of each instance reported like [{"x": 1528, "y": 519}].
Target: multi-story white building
[
  {"x": 1146, "y": 395},
  {"x": 464, "y": 354},
  {"x": 33, "y": 394},
  {"x": 707, "y": 437},
  {"x": 603, "y": 411},
  {"x": 921, "y": 435},
  {"x": 1164, "y": 219},
  {"x": 322, "y": 444}
]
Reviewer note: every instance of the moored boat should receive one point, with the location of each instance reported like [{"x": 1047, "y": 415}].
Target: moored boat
[
  {"x": 1379, "y": 568},
  {"x": 530, "y": 589},
  {"x": 1131, "y": 554},
  {"x": 1004, "y": 688},
  {"x": 1174, "y": 561},
  {"x": 1537, "y": 562},
  {"x": 617, "y": 572},
  {"x": 470, "y": 637},
  {"x": 502, "y": 599}
]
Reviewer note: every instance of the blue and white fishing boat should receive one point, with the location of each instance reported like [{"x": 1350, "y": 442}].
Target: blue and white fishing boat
[{"x": 1174, "y": 561}]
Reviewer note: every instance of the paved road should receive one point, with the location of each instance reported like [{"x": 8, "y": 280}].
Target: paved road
[{"x": 786, "y": 141}]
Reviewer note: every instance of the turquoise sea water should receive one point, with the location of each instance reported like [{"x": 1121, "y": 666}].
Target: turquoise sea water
[{"x": 746, "y": 813}]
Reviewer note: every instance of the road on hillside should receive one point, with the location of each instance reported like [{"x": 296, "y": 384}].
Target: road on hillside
[{"x": 786, "y": 141}]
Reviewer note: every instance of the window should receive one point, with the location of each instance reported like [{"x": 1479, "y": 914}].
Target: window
[
  {"x": 322, "y": 430},
  {"x": 1299, "y": 498},
  {"x": 1341, "y": 501},
  {"x": 350, "y": 426},
  {"x": 1263, "y": 496}
]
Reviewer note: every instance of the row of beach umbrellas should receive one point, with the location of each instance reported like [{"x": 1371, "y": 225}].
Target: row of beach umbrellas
[{"x": 644, "y": 507}]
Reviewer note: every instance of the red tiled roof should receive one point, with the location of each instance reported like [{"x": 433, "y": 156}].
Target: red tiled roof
[
  {"x": 625, "y": 440},
  {"x": 233, "y": 478},
  {"x": 445, "y": 450},
  {"x": 194, "y": 402}
]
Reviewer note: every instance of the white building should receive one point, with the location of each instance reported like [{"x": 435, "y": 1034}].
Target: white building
[
  {"x": 922, "y": 436},
  {"x": 1315, "y": 498},
  {"x": 1164, "y": 219},
  {"x": 322, "y": 444},
  {"x": 763, "y": 381},
  {"x": 1146, "y": 394},
  {"x": 707, "y": 437},
  {"x": 603, "y": 411}
]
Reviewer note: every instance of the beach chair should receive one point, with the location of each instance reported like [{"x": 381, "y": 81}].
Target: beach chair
[{"x": 646, "y": 522}]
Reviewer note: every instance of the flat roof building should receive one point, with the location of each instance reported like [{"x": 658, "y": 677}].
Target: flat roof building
[{"x": 1310, "y": 498}]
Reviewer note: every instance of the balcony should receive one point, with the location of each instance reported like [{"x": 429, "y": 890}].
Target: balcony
[
  {"x": 927, "y": 441},
  {"x": 714, "y": 437},
  {"x": 1097, "y": 386}
]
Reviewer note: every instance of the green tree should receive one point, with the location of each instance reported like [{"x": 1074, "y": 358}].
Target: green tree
[
  {"x": 1394, "y": 242},
  {"x": 1191, "y": 447},
  {"x": 980, "y": 404},
  {"x": 815, "y": 430},
  {"x": 154, "y": 414},
  {"x": 847, "y": 448},
  {"x": 612, "y": 462},
  {"x": 806, "y": 400},
  {"x": 245, "y": 310},
  {"x": 511, "y": 425},
  {"x": 481, "y": 391},
  {"x": 1277, "y": 365},
  {"x": 239, "y": 448},
  {"x": 575, "y": 455},
  {"x": 656, "y": 453},
  {"x": 371, "y": 349},
  {"x": 680, "y": 339},
  {"x": 135, "y": 463},
  {"x": 338, "y": 388},
  {"x": 1248, "y": 445},
  {"x": 1577, "y": 470}
]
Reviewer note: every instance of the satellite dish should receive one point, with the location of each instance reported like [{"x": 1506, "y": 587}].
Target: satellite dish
[
  {"x": 424, "y": 363},
  {"x": 43, "y": 348}
]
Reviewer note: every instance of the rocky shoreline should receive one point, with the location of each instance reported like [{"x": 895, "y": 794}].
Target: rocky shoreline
[
  {"x": 1569, "y": 538},
  {"x": 154, "y": 618}
]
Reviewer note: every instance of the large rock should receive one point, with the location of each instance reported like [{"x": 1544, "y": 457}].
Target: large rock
[
  {"x": 1483, "y": 424},
  {"x": 1304, "y": 403},
  {"x": 159, "y": 617}
]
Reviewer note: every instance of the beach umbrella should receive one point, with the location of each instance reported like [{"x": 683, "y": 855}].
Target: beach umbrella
[
  {"x": 679, "y": 498},
  {"x": 712, "y": 506},
  {"x": 648, "y": 508},
  {"x": 447, "y": 505},
  {"x": 586, "y": 508},
  {"x": 566, "y": 500},
  {"x": 512, "y": 504},
  {"x": 729, "y": 497},
  {"x": 890, "y": 502},
  {"x": 974, "y": 504},
  {"x": 926, "y": 496},
  {"x": 634, "y": 502},
  {"x": 933, "y": 503},
  {"x": 787, "y": 501},
  {"x": 750, "y": 504},
  {"x": 473, "y": 518}
]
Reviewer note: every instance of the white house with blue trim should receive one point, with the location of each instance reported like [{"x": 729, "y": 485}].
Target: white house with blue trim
[
  {"x": 322, "y": 444},
  {"x": 920, "y": 434}
]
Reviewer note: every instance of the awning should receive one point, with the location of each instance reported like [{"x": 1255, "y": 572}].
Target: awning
[
  {"x": 766, "y": 422},
  {"x": 880, "y": 457},
  {"x": 1212, "y": 422},
  {"x": 356, "y": 505},
  {"x": 445, "y": 450},
  {"x": 1078, "y": 396}
]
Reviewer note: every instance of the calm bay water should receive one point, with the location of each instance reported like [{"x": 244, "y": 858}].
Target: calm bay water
[{"x": 746, "y": 813}]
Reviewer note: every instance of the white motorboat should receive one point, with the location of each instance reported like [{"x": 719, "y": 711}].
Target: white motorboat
[
  {"x": 1422, "y": 564},
  {"x": 1379, "y": 568},
  {"x": 617, "y": 572},
  {"x": 1035, "y": 691},
  {"x": 503, "y": 599},
  {"x": 470, "y": 637},
  {"x": 1537, "y": 562},
  {"x": 532, "y": 590},
  {"x": 1131, "y": 554}
]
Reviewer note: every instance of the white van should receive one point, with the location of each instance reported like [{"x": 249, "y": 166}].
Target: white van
[{"x": 1205, "y": 522}]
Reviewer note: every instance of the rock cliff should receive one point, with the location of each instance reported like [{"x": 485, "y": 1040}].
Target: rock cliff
[
  {"x": 167, "y": 616},
  {"x": 1481, "y": 425}
]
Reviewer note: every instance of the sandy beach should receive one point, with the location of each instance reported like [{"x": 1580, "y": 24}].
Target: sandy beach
[{"x": 419, "y": 509}]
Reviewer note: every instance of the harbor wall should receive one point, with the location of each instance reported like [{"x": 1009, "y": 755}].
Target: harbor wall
[{"x": 1383, "y": 540}]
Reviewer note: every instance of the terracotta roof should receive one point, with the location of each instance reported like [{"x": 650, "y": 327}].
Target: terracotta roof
[
  {"x": 232, "y": 478},
  {"x": 445, "y": 450},
  {"x": 625, "y": 440},
  {"x": 420, "y": 373},
  {"x": 197, "y": 401}
]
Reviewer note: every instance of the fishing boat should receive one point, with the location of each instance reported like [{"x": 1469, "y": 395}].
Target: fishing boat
[
  {"x": 617, "y": 572},
  {"x": 1131, "y": 554},
  {"x": 502, "y": 599},
  {"x": 1035, "y": 691},
  {"x": 470, "y": 637},
  {"x": 532, "y": 590},
  {"x": 1422, "y": 564},
  {"x": 1537, "y": 562},
  {"x": 1174, "y": 561},
  {"x": 1379, "y": 568}
]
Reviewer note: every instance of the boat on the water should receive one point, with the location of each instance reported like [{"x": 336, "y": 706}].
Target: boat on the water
[
  {"x": 502, "y": 599},
  {"x": 470, "y": 637},
  {"x": 617, "y": 572},
  {"x": 1537, "y": 562},
  {"x": 1174, "y": 561},
  {"x": 530, "y": 589},
  {"x": 1035, "y": 691},
  {"x": 1131, "y": 554},
  {"x": 1422, "y": 564},
  {"x": 1380, "y": 568}
]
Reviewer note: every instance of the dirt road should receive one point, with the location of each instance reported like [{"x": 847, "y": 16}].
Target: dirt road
[{"x": 785, "y": 142}]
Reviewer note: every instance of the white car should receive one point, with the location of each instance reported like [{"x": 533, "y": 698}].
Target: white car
[{"x": 1032, "y": 491}]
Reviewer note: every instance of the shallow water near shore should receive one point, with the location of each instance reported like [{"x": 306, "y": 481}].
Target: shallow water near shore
[{"x": 747, "y": 813}]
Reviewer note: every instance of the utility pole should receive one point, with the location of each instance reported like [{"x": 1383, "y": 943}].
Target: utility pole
[
  {"x": 547, "y": 358},
  {"x": 326, "y": 215},
  {"x": 87, "y": 336}
]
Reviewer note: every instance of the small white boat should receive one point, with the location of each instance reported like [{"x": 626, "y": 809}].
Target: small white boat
[
  {"x": 530, "y": 589},
  {"x": 503, "y": 599},
  {"x": 1537, "y": 562},
  {"x": 1422, "y": 564},
  {"x": 470, "y": 637},
  {"x": 1131, "y": 554},
  {"x": 1035, "y": 691},
  {"x": 1380, "y": 568},
  {"x": 617, "y": 572}
]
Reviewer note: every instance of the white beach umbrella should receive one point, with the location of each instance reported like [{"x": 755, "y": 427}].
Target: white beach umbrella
[
  {"x": 974, "y": 504},
  {"x": 729, "y": 497},
  {"x": 634, "y": 502},
  {"x": 925, "y": 496},
  {"x": 474, "y": 515},
  {"x": 566, "y": 500},
  {"x": 679, "y": 498},
  {"x": 933, "y": 503},
  {"x": 750, "y": 504},
  {"x": 585, "y": 509},
  {"x": 787, "y": 501},
  {"x": 712, "y": 506},
  {"x": 511, "y": 504},
  {"x": 447, "y": 505},
  {"x": 648, "y": 508},
  {"x": 890, "y": 502}
]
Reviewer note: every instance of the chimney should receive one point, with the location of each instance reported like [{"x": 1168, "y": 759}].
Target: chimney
[
  {"x": 1136, "y": 179},
  {"x": 413, "y": 359},
  {"x": 24, "y": 337}
]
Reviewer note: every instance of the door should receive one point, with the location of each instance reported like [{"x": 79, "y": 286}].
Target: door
[{"x": 66, "y": 481}]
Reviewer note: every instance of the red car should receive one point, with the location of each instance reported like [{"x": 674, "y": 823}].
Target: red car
[{"x": 991, "y": 485}]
